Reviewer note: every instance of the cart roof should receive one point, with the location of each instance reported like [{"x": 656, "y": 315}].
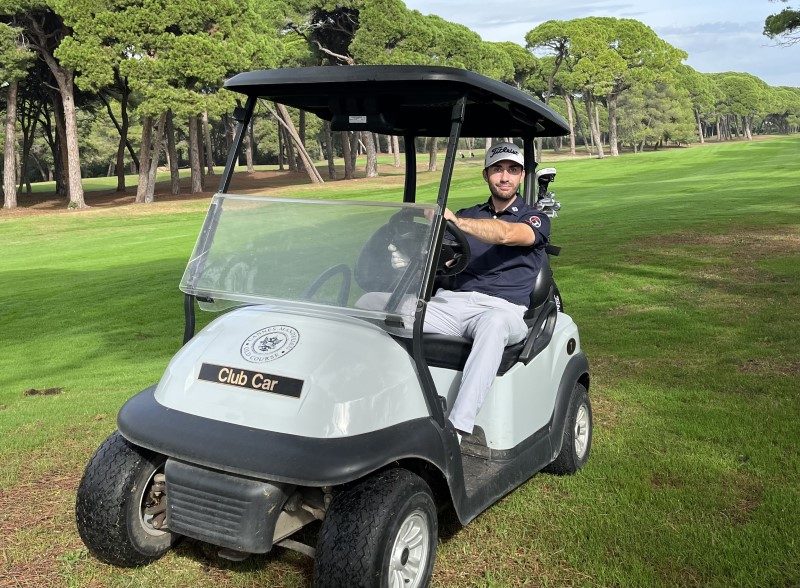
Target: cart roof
[{"x": 404, "y": 100}]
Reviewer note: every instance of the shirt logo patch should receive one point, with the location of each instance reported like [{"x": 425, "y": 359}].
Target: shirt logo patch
[
  {"x": 514, "y": 209},
  {"x": 535, "y": 222}
]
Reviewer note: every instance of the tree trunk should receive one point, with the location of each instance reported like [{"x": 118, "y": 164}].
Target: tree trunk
[
  {"x": 60, "y": 157},
  {"x": 123, "y": 139},
  {"x": 372, "y": 156},
  {"x": 194, "y": 156},
  {"x": 612, "y": 124},
  {"x": 144, "y": 158},
  {"x": 65, "y": 83},
  {"x": 571, "y": 118},
  {"x": 64, "y": 80},
  {"x": 302, "y": 131},
  {"x": 396, "y": 150},
  {"x": 280, "y": 146},
  {"x": 155, "y": 155},
  {"x": 594, "y": 124},
  {"x": 348, "y": 160},
  {"x": 289, "y": 148},
  {"x": 207, "y": 142},
  {"x": 9, "y": 169},
  {"x": 248, "y": 148},
  {"x": 699, "y": 126},
  {"x": 172, "y": 156},
  {"x": 311, "y": 170},
  {"x": 28, "y": 116},
  {"x": 353, "y": 137},
  {"x": 432, "y": 145},
  {"x": 329, "y": 151}
]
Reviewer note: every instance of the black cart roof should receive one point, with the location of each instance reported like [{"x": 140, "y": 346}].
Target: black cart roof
[{"x": 404, "y": 100}]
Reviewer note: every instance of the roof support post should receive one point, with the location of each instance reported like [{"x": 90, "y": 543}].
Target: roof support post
[
  {"x": 233, "y": 154},
  {"x": 456, "y": 122},
  {"x": 410, "y": 187},
  {"x": 529, "y": 195}
]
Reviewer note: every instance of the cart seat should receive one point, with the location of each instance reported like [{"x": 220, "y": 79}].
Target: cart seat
[{"x": 449, "y": 352}]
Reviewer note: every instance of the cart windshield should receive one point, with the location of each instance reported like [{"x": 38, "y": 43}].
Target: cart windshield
[{"x": 360, "y": 258}]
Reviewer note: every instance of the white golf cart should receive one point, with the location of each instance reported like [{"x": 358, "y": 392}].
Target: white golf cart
[{"x": 305, "y": 400}]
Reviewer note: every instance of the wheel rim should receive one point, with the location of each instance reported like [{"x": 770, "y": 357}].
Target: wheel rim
[
  {"x": 145, "y": 518},
  {"x": 410, "y": 552},
  {"x": 581, "y": 431}
]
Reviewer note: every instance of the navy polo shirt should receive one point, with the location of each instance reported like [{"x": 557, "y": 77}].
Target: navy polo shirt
[{"x": 505, "y": 271}]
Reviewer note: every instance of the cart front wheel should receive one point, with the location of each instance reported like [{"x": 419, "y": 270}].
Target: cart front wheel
[
  {"x": 121, "y": 505},
  {"x": 577, "y": 440},
  {"x": 380, "y": 532}
]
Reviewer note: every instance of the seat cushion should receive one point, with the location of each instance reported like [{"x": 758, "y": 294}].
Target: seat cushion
[{"x": 450, "y": 352}]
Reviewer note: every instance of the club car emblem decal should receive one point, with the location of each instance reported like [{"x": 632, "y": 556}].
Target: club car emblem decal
[{"x": 270, "y": 343}]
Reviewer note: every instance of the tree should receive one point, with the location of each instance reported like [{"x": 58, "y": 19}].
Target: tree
[
  {"x": 783, "y": 26},
  {"x": 523, "y": 62},
  {"x": 552, "y": 36},
  {"x": 702, "y": 91},
  {"x": 15, "y": 59},
  {"x": 45, "y": 31},
  {"x": 744, "y": 97}
]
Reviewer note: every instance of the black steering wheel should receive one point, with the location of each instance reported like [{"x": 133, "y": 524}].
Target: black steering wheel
[{"x": 455, "y": 253}]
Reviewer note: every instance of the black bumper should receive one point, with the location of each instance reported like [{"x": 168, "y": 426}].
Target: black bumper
[
  {"x": 277, "y": 457},
  {"x": 222, "y": 509}
]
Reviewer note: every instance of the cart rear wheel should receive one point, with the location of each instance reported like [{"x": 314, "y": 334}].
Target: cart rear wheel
[
  {"x": 380, "y": 532},
  {"x": 577, "y": 441},
  {"x": 121, "y": 504}
]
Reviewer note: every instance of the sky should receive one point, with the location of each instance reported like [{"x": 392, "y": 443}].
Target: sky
[{"x": 718, "y": 35}]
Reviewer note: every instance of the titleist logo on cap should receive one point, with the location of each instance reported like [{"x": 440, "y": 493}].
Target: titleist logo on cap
[{"x": 504, "y": 149}]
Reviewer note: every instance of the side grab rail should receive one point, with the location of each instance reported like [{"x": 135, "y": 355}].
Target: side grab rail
[{"x": 541, "y": 333}]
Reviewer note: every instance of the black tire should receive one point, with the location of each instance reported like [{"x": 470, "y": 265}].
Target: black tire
[
  {"x": 108, "y": 509},
  {"x": 361, "y": 535},
  {"x": 574, "y": 455}
]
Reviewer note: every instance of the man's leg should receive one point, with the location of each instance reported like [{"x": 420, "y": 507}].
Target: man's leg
[
  {"x": 491, "y": 329},
  {"x": 446, "y": 312}
]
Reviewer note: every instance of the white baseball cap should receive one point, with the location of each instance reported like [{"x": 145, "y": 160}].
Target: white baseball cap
[{"x": 503, "y": 151}]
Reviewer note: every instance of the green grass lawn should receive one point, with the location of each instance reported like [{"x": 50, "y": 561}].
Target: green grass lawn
[{"x": 681, "y": 269}]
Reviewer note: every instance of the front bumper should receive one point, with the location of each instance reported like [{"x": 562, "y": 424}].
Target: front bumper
[{"x": 222, "y": 509}]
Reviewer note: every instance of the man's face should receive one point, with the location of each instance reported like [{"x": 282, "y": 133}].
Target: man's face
[{"x": 503, "y": 178}]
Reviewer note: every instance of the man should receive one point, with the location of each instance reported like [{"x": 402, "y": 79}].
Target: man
[{"x": 489, "y": 298}]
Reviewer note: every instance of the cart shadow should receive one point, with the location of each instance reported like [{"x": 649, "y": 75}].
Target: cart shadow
[{"x": 279, "y": 562}]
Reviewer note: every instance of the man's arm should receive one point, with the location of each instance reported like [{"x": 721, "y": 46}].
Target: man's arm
[{"x": 494, "y": 231}]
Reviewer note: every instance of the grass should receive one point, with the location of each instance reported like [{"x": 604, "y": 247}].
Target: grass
[{"x": 681, "y": 269}]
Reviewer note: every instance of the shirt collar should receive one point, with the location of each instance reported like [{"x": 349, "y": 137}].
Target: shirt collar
[{"x": 517, "y": 203}]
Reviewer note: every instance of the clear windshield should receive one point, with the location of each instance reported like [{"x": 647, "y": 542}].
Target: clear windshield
[{"x": 361, "y": 258}]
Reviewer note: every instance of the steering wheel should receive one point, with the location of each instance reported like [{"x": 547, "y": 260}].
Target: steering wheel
[
  {"x": 455, "y": 253},
  {"x": 344, "y": 288}
]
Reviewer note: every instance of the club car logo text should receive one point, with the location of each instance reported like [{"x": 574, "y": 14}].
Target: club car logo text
[
  {"x": 222, "y": 374},
  {"x": 270, "y": 343}
]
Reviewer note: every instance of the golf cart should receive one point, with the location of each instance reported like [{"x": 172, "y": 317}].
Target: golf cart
[{"x": 305, "y": 399}]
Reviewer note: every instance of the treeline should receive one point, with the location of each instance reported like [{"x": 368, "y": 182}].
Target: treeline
[{"x": 91, "y": 90}]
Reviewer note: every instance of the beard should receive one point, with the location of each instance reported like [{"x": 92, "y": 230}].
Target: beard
[{"x": 504, "y": 196}]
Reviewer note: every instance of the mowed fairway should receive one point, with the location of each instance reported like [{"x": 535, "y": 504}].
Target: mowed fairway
[{"x": 682, "y": 270}]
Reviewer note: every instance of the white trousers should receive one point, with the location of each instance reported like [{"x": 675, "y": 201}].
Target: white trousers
[{"x": 491, "y": 323}]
